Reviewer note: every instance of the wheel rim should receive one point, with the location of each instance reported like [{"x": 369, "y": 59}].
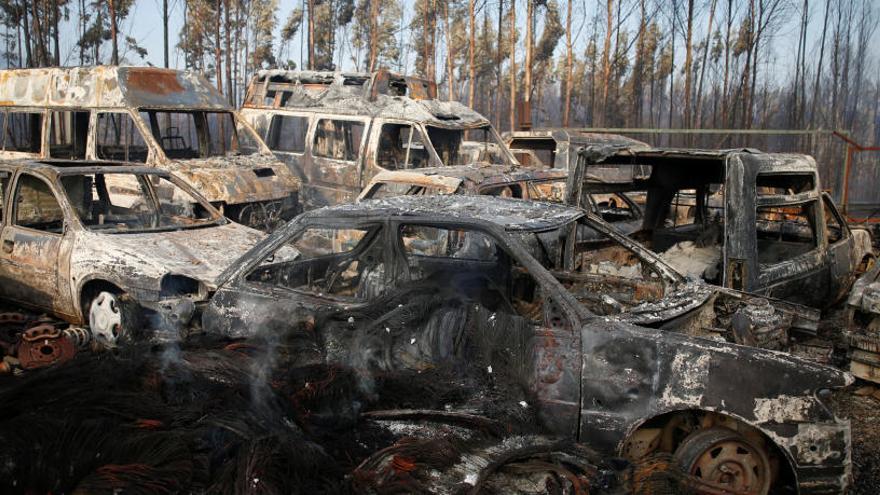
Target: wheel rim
[
  {"x": 731, "y": 464},
  {"x": 105, "y": 318}
]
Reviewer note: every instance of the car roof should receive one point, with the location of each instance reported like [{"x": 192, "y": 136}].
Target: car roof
[
  {"x": 511, "y": 214},
  {"x": 109, "y": 86},
  {"x": 74, "y": 167},
  {"x": 480, "y": 175}
]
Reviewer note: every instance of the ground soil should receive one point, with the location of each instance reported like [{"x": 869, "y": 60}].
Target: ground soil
[{"x": 864, "y": 415}]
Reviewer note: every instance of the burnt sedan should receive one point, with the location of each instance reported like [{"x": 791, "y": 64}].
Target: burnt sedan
[
  {"x": 411, "y": 282},
  {"x": 106, "y": 245}
]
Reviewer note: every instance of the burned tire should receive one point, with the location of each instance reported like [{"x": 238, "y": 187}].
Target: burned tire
[
  {"x": 113, "y": 317},
  {"x": 723, "y": 458}
]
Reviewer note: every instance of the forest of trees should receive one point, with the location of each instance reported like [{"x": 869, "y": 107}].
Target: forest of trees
[{"x": 588, "y": 63}]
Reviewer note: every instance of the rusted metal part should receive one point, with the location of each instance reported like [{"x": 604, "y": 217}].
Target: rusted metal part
[{"x": 44, "y": 345}]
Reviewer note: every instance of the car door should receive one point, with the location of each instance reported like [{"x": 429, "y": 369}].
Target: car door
[
  {"x": 841, "y": 250},
  {"x": 336, "y": 154},
  {"x": 294, "y": 277},
  {"x": 286, "y": 135},
  {"x": 31, "y": 245}
]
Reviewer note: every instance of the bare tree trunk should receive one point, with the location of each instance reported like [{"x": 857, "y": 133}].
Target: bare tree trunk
[
  {"x": 450, "y": 66},
  {"x": 566, "y": 105},
  {"x": 227, "y": 25},
  {"x": 498, "y": 75},
  {"x": 165, "y": 33},
  {"x": 113, "y": 32},
  {"x": 311, "y": 42},
  {"x": 472, "y": 48},
  {"x": 815, "y": 101},
  {"x": 57, "y": 45},
  {"x": 218, "y": 70},
  {"x": 526, "y": 117},
  {"x": 606, "y": 63},
  {"x": 688, "y": 63},
  {"x": 513, "y": 65},
  {"x": 374, "y": 34},
  {"x": 725, "y": 89},
  {"x": 699, "y": 109},
  {"x": 672, "y": 71}
]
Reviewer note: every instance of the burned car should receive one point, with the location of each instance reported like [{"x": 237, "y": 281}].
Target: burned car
[
  {"x": 863, "y": 319},
  {"x": 336, "y": 130},
  {"x": 168, "y": 119},
  {"x": 106, "y": 245},
  {"x": 404, "y": 283},
  {"x": 760, "y": 223},
  {"x": 509, "y": 182},
  {"x": 558, "y": 147}
]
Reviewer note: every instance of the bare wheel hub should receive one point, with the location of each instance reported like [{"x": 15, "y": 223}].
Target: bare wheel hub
[{"x": 105, "y": 318}]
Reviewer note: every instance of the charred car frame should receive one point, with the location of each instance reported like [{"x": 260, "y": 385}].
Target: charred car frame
[
  {"x": 168, "y": 119},
  {"x": 623, "y": 389}
]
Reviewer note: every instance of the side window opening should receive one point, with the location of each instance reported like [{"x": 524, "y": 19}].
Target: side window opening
[
  {"x": 287, "y": 133},
  {"x": 506, "y": 191},
  {"x": 401, "y": 147},
  {"x": 118, "y": 138},
  {"x": 36, "y": 206},
  {"x": 833, "y": 227},
  {"x": 4, "y": 186},
  {"x": 535, "y": 152},
  {"x": 23, "y": 132},
  {"x": 785, "y": 232},
  {"x": 338, "y": 139},
  {"x": 340, "y": 262},
  {"x": 68, "y": 133},
  {"x": 391, "y": 189}
]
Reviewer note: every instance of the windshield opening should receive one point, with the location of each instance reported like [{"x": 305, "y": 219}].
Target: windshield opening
[
  {"x": 129, "y": 202},
  {"x": 198, "y": 134},
  {"x": 467, "y": 146}
]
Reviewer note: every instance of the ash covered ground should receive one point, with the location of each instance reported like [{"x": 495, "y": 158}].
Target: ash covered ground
[{"x": 262, "y": 415}]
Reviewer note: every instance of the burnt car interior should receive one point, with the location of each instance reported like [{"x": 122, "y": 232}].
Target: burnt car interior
[
  {"x": 401, "y": 146},
  {"x": 128, "y": 202},
  {"x": 197, "y": 134}
]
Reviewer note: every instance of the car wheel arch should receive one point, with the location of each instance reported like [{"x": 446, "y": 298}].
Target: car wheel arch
[{"x": 91, "y": 287}]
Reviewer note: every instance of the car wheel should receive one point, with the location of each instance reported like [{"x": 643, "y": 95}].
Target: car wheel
[
  {"x": 725, "y": 459},
  {"x": 112, "y": 317}
]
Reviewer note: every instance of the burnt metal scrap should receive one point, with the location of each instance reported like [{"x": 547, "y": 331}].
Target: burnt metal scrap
[
  {"x": 409, "y": 283},
  {"x": 863, "y": 318},
  {"x": 172, "y": 120},
  {"x": 760, "y": 220}
]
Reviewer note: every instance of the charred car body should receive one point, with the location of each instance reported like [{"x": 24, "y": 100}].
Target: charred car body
[
  {"x": 337, "y": 130},
  {"x": 98, "y": 244},
  {"x": 771, "y": 231},
  {"x": 401, "y": 282},
  {"x": 172, "y": 120},
  {"x": 558, "y": 147},
  {"x": 510, "y": 182}
]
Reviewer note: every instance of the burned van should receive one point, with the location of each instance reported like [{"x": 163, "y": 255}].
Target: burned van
[
  {"x": 173, "y": 120},
  {"x": 760, "y": 221},
  {"x": 337, "y": 130}
]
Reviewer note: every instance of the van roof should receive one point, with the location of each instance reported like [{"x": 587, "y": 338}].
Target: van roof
[
  {"x": 108, "y": 87},
  {"x": 380, "y": 94}
]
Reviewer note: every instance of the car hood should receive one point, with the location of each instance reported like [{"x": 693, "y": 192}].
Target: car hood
[
  {"x": 143, "y": 259},
  {"x": 236, "y": 179}
]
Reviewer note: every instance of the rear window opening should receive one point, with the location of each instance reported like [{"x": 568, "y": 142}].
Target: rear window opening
[
  {"x": 785, "y": 232},
  {"x": 784, "y": 184}
]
